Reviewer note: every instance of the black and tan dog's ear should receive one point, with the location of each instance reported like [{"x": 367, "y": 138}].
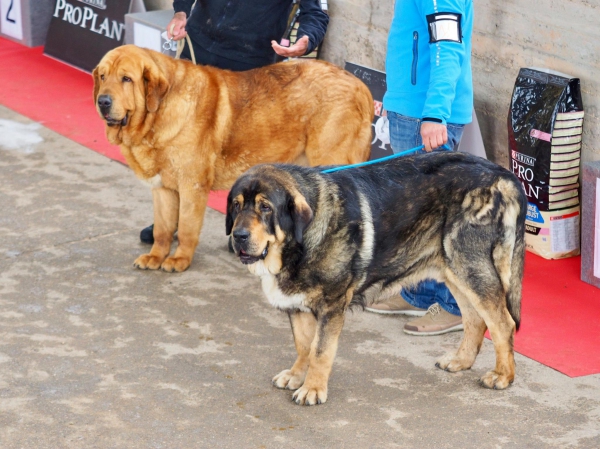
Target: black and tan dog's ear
[
  {"x": 96, "y": 84},
  {"x": 229, "y": 218},
  {"x": 302, "y": 216},
  {"x": 156, "y": 87}
]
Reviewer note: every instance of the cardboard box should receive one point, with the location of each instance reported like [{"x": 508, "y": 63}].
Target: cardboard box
[
  {"x": 26, "y": 21},
  {"x": 145, "y": 30},
  {"x": 590, "y": 226}
]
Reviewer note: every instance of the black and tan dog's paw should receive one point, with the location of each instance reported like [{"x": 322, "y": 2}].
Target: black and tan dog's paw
[
  {"x": 453, "y": 364},
  {"x": 306, "y": 395},
  {"x": 288, "y": 379}
]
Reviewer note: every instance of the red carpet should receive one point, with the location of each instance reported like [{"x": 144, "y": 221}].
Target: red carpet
[
  {"x": 54, "y": 94},
  {"x": 560, "y": 315},
  {"x": 59, "y": 97},
  {"x": 560, "y": 324}
]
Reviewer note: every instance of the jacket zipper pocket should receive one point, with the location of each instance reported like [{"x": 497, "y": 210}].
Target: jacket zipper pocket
[{"x": 413, "y": 74}]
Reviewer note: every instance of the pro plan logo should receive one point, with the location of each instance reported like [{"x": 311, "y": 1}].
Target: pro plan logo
[
  {"x": 100, "y": 4},
  {"x": 521, "y": 164},
  {"x": 85, "y": 17},
  {"x": 523, "y": 158}
]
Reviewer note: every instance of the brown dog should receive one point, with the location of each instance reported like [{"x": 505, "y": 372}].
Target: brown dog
[{"x": 187, "y": 129}]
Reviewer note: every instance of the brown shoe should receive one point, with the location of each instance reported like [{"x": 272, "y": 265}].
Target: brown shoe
[
  {"x": 396, "y": 305},
  {"x": 435, "y": 322}
]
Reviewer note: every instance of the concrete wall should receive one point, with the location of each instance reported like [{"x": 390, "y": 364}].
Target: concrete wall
[{"x": 562, "y": 35}]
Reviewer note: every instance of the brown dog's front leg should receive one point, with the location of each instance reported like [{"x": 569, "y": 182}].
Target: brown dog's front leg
[
  {"x": 191, "y": 216},
  {"x": 166, "y": 210},
  {"x": 304, "y": 326},
  {"x": 320, "y": 360}
]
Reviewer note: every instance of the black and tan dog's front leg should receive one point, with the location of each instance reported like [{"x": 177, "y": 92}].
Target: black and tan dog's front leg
[
  {"x": 304, "y": 325},
  {"x": 320, "y": 358}
]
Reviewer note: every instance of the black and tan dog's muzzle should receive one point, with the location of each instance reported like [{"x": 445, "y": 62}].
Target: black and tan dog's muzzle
[{"x": 241, "y": 239}]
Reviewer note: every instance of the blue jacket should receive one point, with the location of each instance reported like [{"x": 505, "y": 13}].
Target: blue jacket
[{"x": 428, "y": 62}]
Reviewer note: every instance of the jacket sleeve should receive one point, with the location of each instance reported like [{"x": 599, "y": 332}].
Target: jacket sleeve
[
  {"x": 183, "y": 5},
  {"x": 446, "y": 58},
  {"x": 313, "y": 23}
]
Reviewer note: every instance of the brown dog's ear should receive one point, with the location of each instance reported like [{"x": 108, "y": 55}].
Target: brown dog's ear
[
  {"x": 96, "y": 84},
  {"x": 156, "y": 87},
  {"x": 302, "y": 216}
]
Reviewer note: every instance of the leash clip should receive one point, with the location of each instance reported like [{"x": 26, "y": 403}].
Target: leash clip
[{"x": 168, "y": 44}]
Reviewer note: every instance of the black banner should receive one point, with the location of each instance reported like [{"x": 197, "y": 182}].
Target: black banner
[
  {"x": 376, "y": 82},
  {"x": 82, "y": 31}
]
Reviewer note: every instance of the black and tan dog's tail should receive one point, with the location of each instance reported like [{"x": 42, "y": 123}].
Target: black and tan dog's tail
[
  {"x": 510, "y": 267},
  {"x": 513, "y": 295}
]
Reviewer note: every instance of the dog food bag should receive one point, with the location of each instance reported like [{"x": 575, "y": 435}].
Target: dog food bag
[{"x": 545, "y": 124}]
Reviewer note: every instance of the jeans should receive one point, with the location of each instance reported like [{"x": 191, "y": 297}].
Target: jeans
[{"x": 405, "y": 133}]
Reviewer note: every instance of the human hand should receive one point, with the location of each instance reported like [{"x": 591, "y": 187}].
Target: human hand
[
  {"x": 176, "y": 27},
  {"x": 298, "y": 49},
  {"x": 433, "y": 134}
]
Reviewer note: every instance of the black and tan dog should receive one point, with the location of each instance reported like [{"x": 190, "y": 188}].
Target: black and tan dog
[{"x": 322, "y": 242}]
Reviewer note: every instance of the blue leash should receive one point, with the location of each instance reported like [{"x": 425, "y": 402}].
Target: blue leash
[{"x": 375, "y": 161}]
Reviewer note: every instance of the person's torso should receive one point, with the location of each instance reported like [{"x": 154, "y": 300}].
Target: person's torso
[
  {"x": 239, "y": 29},
  {"x": 408, "y": 63}
]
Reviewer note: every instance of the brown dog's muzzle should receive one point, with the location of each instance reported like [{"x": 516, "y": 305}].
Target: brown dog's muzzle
[{"x": 105, "y": 106}]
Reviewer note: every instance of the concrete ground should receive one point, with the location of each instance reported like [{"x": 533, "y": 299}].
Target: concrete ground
[{"x": 97, "y": 354}]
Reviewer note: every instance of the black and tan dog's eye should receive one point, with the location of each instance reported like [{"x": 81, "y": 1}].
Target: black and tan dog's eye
[
  {"x": 126, "y": 79},
  {"x": 236, "y": 206},
  {"x": 264, "y": 207}
]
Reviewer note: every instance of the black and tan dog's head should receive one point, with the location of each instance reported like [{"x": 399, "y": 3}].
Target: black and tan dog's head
[
  {"x": 266, "y": 211},
  {"x": 128, "y": 84}
]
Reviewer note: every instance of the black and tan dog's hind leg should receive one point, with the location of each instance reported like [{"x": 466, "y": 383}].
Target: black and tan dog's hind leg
[
  {"x": 474, "y": 331},
  {"x": 315, "y": 366},
  {"x": 478, "y": 315},
  {"x": 484, "y": 272}
]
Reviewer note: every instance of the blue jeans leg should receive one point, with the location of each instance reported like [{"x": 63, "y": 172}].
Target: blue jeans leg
[{"x": 405, "y": 133}]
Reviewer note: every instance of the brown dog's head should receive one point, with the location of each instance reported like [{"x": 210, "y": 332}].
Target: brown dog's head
[
  {"x": 128, "y": 84},
  {"x": 266, "y": 211}
]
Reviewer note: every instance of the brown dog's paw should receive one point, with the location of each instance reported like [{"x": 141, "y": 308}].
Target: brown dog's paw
[
  {"x": 452, "y": 364},
  {"x": 147, "y": 262},
  {"x": 495, "y": 381},
  {"x": 310, "y": 396},
  {"x": 286, "y": 379},
  {"x": 172, "y": 264}
]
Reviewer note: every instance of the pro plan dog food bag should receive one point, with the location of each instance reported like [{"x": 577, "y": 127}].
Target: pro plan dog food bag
[{"x": 544, "y": 136}]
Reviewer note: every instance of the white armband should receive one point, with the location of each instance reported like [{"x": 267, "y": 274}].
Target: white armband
[{"x": 444, "y": 26}]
